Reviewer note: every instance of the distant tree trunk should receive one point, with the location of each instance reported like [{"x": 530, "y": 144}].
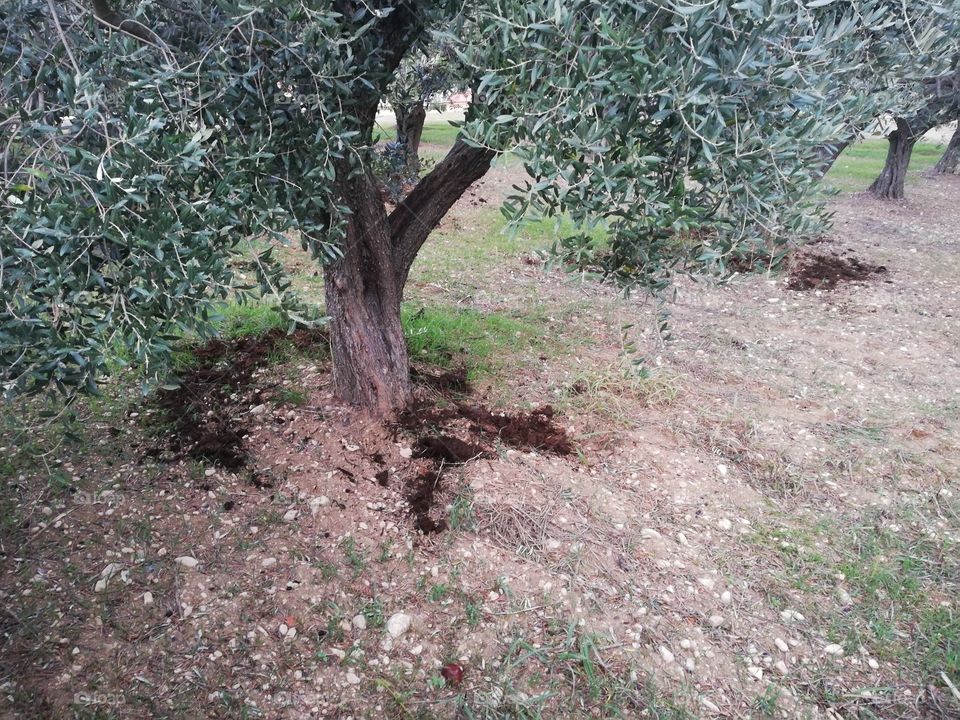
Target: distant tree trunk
[
  {"x": 410, "y": 120},
  {"x": 889, "y": 185},
  {"x": 951, "y": 156},
  {"x": 365, "y": 287}
]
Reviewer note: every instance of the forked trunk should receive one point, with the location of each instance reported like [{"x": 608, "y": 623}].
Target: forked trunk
[
  {"x": 951, "y": 156},
  {"x": 889, "y": 185},
  {"x": 364, "y": 288},
  {"x": 368, "y": 348}
]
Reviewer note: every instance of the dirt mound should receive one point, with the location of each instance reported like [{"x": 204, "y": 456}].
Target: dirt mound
[
  {"x": 438, "y": 447},
  {"x": 818, "y": 271},
  {"x": 203, "y": 410},
  {"x": 206, "y": 418}
]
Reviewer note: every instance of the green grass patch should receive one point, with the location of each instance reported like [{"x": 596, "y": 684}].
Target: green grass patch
[
  {"x": 448, "y": 337},
  {"x": 903, "y": 586},
  {"x": 435, "y": 133},
  {"x": 859, "y": 164}
]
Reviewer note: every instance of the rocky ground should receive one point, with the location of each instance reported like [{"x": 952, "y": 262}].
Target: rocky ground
[{"x": 759, "y": 519}]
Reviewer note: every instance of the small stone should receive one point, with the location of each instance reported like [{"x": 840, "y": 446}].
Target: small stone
[
  {"x": 781, "y": 667},
  {"x": 209, "y": 472},
  {"x": 666, "y": 654},
  {"x": 186, "y": 561},
  {"x": 873, "y": 663},
  {"x": 649, "y": 534},
  {"x": 398, "y": 624},
  {"x": 755, "y": 672},
  {"x": 833, "y": 649},
  {"x": 148, "y": 598},
  {"x": 724, "y": 524},
  {"x": 100, "y": 586},
  {"x": 258, "y": 409},
  {"x": 290, "y": 515},
  {"x": 781, "y": 644},
  {"x": 317, "y": 503},
  {"x": 726, "y": 597},
  {"x": 283, "y": 629},
  {"x": 716, "y": 620},
  {"x": 791, "y": 615},
  {"x": 709, "y": 705},
  {"x": 291, "y": 634},
  {"x": 353, "y": 678},
  {"x": 359, "y": 622},
  {"x": 268, "y": 562},
  {"x": 406, "y": 453}
]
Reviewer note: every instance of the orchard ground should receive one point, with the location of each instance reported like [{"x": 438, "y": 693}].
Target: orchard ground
[{"x": 760, "y": 519}]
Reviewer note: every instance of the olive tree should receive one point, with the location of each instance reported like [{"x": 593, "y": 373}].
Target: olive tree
[
  {"x": 149, "y": 146},
  {"x": 948, "y": 162},
  {"x": 940, "y": 104}
]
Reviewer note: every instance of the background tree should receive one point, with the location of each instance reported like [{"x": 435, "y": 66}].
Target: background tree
[
  {"x": 941, "y": 104},
  {"x": 146, "y": 142},
  {"x": 419, "y": 80},
  {"x": 951, "y": 155}
]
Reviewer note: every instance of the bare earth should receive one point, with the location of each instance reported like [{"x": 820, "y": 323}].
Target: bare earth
[{"x": 764, "y": 522}]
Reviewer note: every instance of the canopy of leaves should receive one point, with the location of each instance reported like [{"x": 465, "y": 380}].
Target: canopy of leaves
[{"x": 144, "y": 148}]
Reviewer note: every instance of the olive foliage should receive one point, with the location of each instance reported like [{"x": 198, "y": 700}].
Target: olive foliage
[{"x": 150, "y": 148}]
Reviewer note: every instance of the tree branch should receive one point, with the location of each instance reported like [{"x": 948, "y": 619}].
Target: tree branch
[
  {"x": 106, "y": 15},
  {"x": 423, "y": 209}
]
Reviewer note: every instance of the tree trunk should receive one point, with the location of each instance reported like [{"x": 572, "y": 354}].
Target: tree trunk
[
  {"x": 889, "y": 185},
  {"x": 368, "y": 348},
  {"x": 951, "y": 156},
  {"x": 364, "y": 288},
  {"x": 410, "y": 120}
]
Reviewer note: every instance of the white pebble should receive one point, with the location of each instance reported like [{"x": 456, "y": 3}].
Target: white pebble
[{"x": 398, "y": 624}]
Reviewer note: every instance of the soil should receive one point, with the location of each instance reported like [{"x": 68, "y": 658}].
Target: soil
[
  {"x": 763, "y": 524},
  {"x": 201, "y": 412},
  {"x": 433, "y": 426},
  {"x": 207, "y": 420},
  {"x": 819, "y": 271}
]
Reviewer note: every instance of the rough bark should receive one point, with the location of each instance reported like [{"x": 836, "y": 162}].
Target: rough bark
[
  {"x": 948, "y": 162},
  {"x": 368, "y": 348},
  {"x": 410, "y": 120},
  {"x": 889, "y": 185},
  {"x": 424, "y": 207},
  {"x": 364, "y": 288}
]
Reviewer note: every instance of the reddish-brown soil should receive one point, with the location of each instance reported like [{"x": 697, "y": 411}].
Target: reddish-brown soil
[
  {"x": 201, "y": 409},
  {"x": 817, "y": 271},
  {"x": 206, "y": 412}
]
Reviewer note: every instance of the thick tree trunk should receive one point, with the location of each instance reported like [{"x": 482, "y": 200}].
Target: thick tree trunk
[
  {"x": 889, "y": 185},
  {"x": 368, "y": 348},
  {"x": 951, "y": 156},
  {"x": 410, "y": 120},
  {"x": 364, "y": 288}
]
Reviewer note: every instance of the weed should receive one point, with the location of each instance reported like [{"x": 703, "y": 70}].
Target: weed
[
  {"x": 354, "y": 555},
  {"x": 460, "y": 516}
]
